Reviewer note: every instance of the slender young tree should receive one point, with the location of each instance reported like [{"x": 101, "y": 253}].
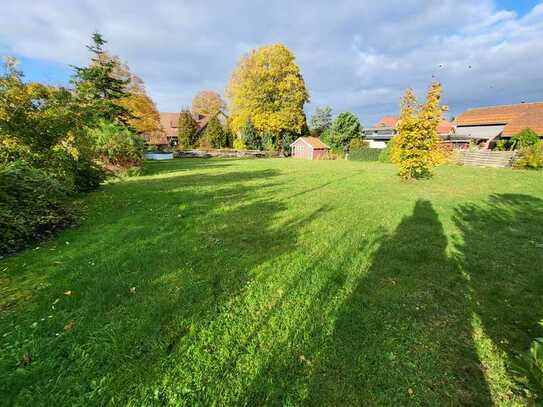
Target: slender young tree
[{"x": 415, "y": 145}]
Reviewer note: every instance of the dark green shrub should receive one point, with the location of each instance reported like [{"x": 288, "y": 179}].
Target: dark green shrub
[
  {"x": 88, "y": 176},
  {"x": 117, "y": 146},
  {"x": 33, "y": 205},
  {"x": 367, "y": 154}
]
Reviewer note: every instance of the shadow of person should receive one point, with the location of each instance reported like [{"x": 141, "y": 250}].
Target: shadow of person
[
  {"x": 501, "y": 251},
  {"x": 404, "y": 334}
]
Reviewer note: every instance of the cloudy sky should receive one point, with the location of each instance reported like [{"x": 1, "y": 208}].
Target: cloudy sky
[{"x": 354, "y": 55}]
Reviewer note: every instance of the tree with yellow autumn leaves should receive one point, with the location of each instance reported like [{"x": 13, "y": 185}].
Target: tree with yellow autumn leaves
[
  {"x": 207, "y": 103},
  {"x": 267, "y": 88},
  {"x": 415, "y": 149}
]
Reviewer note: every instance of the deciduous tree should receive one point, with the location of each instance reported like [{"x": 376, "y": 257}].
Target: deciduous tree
[
  {"x": 321, "y": 119},
  {"x": 207, "y": 102},
  {"x": 414, "y": 148},
  {"x": 343, "y": 130},
  {"x": 268, "y": 88}
]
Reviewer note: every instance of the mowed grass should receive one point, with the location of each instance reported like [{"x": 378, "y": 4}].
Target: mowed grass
[{"x": 276, "y": 281}]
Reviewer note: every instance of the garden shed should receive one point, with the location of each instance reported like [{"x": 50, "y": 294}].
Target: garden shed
[{"x": 309, "y": 148}]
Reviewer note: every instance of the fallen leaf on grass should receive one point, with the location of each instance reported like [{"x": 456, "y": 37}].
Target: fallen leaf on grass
[
  {"x": 25, "y": 360},
  {"x": 69, "y": 326},
  {"x": 69, "y": 292}
]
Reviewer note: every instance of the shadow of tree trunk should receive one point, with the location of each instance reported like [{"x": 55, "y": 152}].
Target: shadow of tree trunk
[
  {"x": 500, "y": 250},
  {"x": 404, "y": 335}
]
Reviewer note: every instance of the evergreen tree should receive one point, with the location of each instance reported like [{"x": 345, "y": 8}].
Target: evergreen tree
[
  {"x": 250, "y": 137},
  {"x": 186, "y": 130},
  {"x": 214, "y": 133},
  {"x": 99, "y": 90}
]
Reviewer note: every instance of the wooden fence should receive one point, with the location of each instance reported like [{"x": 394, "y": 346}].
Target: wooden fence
[{"x": 486, "y": 158}]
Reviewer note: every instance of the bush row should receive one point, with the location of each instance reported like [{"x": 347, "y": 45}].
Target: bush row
[{"x": 32, "y": 206}]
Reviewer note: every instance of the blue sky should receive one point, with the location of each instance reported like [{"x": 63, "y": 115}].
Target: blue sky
[{"x": 354, "y": 55}]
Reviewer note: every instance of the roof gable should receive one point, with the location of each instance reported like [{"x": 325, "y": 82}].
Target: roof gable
[{"x": 312, "y": 142}]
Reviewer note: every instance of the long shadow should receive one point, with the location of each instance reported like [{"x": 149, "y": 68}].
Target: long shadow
[
  {"x": 163, "y": 255},
  {"x": 501, "y": 250},
  {"x": 404, "y": 334}
]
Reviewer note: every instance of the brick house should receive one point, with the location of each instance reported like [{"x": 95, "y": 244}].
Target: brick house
[
  {"x": 486, "y": 125},
  {"x": 168, "y": 122}
]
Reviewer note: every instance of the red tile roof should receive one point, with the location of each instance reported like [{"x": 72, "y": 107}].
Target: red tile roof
[
  {"x": 444, "y": 127},
  {"x": 313, "y": 142},
  {"x": 387, "y": 121},
  {"x": 515, "y": 117},
  {"x": 169, "y": 120}
]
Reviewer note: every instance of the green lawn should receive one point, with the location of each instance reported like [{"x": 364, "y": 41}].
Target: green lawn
[{"x": 276, "y": 281}]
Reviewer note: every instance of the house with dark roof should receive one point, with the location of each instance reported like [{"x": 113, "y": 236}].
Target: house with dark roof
[
  {"x": 486, "y": 125},
  {"x": 169, "y": 124},
  {"x": 380, "y": 134}
]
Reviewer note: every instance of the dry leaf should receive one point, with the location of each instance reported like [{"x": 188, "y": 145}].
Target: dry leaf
[
  {"x": 68, "y": 327},
  {"x": 25, "y": 360}
]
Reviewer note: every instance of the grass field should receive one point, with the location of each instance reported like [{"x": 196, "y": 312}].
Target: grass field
[{"x": 252, "y": 282}]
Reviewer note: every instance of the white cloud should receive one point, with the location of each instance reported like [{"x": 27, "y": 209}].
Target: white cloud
[{"x": 353, "y": 56}]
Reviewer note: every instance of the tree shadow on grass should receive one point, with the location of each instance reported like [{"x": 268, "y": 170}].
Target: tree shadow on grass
[
  {"x": 180, "y": 164},
  {"x": 404, "y": 334},
  {"x": 164, "y": 255},
  {"x": 500, "y": 249}
]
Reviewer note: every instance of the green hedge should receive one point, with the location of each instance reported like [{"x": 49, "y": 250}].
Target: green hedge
[
  {"x": 33, "y": 205},
  {"x": 366, "y": 154}
]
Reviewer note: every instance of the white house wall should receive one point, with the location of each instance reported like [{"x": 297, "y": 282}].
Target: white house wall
[{"x": 377, "y": 144}]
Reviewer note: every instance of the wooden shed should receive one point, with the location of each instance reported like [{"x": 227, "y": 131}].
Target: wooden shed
[{"x": 309, "y": 148}]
